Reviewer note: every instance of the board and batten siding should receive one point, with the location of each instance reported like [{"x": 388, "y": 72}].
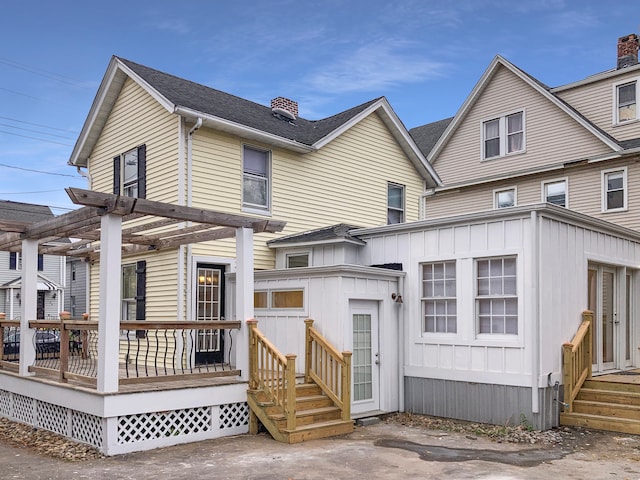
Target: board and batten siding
[
  {"x": 596, "y": 101},
  {"x": 547, "y": 129},
  {"x": 344, "y": 182},
  {"x": 463, "y": 356}
]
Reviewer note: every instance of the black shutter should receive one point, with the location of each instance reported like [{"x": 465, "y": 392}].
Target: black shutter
[
  {"x": 13, "y": 261},
  {"x": 116, "y": 175},
  {"x": 141, "y": 295},
  {"x": 142, "y": 171},
  {"x": 40, "y": 262}
]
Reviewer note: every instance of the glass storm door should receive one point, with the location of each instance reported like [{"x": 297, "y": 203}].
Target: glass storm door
[
  {"x": 612, "y": 318},
  {"x": 209, "y": 306},
  {"x": 365, "y": 362}
]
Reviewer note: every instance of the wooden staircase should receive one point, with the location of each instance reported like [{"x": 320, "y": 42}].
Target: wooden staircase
[
  {"x": 596, "y": 403},
  {"x": 605, "y": 405},
  {"x": 295, "y": 412}
]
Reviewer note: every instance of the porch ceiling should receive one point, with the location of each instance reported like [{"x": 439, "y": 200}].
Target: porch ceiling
[{"x": 147, "y": 226}]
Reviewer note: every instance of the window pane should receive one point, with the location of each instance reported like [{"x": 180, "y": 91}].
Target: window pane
[
  {"x": 483, "y": 268},
  {"x": 297, "y": 261},
  {"x": 556, "y": 193},
  {"x": 509, "y": 266},
  {"x": 510, "y": 286},
  {"x": 395, "y": 194},
  {"x": 255, "y": 190},
  {"x": 256, "y": 162},
  {"x": 615, "y": 181},
  {"x": 505, "y": 198},
  {"x": 492, "y": 148},
  {"x": 259, "y": 299},
  {"x": 492, "y": 129},
  {"x": 615, "y": 200},
  {"x": 287, "y": 299},
  {"x": 483, "y": 286},
  {"x": 514, "y": 123},
  {"x": 394, "y": 216},
  {"x": 515, "y": 143}
]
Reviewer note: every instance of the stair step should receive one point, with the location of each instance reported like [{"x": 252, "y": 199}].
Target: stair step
[
  {"x": 607, "y": 409},
  {"x": 307, "y": 389},
  {"x": 320, "y": 430},
  {"x": 600, "y": 422},
  {"x": 609, "y": 396},
  {"x": 308, "y": 417},
  {"x": 612, "y": 386}
]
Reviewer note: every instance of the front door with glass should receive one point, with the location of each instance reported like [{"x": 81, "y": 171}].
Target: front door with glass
[{"x": 209, "y": 303}]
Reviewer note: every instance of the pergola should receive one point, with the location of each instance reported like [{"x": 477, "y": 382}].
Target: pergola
[{"x": 100, "y": 232}]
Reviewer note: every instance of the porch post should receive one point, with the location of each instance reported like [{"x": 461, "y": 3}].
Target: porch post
[
  {"x": 29, "y": 306},
  {"x": 244, "y": 296},
  {"x": 109, "y": 317}
]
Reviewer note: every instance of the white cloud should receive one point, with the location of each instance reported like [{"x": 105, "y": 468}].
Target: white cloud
[{"x": 373, "y": 67}]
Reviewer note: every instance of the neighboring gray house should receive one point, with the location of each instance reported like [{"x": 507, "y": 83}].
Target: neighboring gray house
[
  {"x": 76, "y": 287},
  {"x": 51, "y": 268}
]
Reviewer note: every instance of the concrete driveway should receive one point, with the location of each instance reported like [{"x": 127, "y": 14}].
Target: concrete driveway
[{"x": 381, "y": 451}]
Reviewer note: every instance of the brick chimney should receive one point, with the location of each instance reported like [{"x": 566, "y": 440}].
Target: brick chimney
[
  {"x": 628, "y": 50},
  {"x": 285, "y": 104}
]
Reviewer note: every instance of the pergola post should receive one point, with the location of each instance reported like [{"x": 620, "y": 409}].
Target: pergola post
[
  {"x": 110, "y": 309},
  {"x": 29, "y": 306},
  {"x": 244, "y": 295}
]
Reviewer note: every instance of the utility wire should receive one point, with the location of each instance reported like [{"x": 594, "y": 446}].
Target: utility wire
[
  {"x": 38, "y": 125},
  {"x": 35, "y": 138},
  {"x": 43, "y": 73},
  {"x": 40, "y": 171},
  {"x": 35, "y": 131},
  {"x": 28, "y": 193}
]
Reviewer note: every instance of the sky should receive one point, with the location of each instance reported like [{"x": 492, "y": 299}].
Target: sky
[{"x": 424, "y": 56}]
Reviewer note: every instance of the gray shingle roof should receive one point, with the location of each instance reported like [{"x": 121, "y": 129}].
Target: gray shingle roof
[
  {"x": 427, "y": 135},
  {"x": 339, "y": 231},
  {"x": 23, "y": 212},
  {"x": 207, "y": 100}
]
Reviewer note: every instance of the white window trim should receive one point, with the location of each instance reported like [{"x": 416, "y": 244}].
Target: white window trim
[
  {"x": 294, "y": 253},
  {"x": 543, "y": 189},
  {"x": 506, "y": 189},
  {"x": 499, "y": 337},
  {"x": 603, "y": 190},
  {"x": 404, "y": 200},
  {"x": 503, "y": 135},
  {"x": 296, "y": 310},
  {"x": 614, "y": 96},
  {"x": 441, "y": 335},
  {"x": 252, "y": 208}
]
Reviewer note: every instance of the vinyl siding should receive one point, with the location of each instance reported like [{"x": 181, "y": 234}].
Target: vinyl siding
[
  {"x": 138, "y": 119},
  {"x": 345, "y": 181},
  {"x": 546, "y": 128},
  {"x": 596, "y": 101},
  {"x": 584, "y": 188}
]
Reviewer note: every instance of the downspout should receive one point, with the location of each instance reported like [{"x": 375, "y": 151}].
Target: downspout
[
  {"x": 189, "y": 200},
  {"x": 85, "y": 175},
  {"x": 535, "y": 313},
  {"x": 401, "y": 343}
]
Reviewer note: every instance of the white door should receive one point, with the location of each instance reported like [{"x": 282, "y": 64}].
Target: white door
[{"x": 365, "y": 362}]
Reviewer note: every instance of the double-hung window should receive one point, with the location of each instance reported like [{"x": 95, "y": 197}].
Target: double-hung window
[
  {"x": 256, "y": 178},
  {"x": 555, "y": 192},
  {"x": 129, "y": 173},
  {"x": 439, "y": 309},
  {"x": 503, "y": 135},
  {"x": 626, "y": 102},
  {"x": 15, "y": 261},
  {"x": 134, "y": 291},
  {"x": 395, "y": 203},
  {"x": 497, "y": 296},
  {"x": 614, "y": 190}
]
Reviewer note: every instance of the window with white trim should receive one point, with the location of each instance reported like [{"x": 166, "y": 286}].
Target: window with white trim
[
  {"x": 497, "y": 296},
  {"x": 555, "y": 192},
  {"x": 279, "y": 298},
  {"x": 129, "y": 173},
  {"x": 395, "y": 203},
  {"x": 614, "y": 190},
  {"x": 297, "y": 260},
  {"x": 626, "y": 102},
  {"x": 503, "y": 135},
  {"x": 439, "y": 305},
  {"x": 256, "y": 176},
  {"x": 504, "y": 198}
]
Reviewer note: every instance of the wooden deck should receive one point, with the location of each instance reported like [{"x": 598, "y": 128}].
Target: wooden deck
[{"x": 627, "y": 376}]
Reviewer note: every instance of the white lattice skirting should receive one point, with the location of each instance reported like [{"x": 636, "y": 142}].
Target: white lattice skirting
[{"x": 133, "y": 432}]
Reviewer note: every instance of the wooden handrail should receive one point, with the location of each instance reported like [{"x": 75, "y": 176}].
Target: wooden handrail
[
  {"x": 329, "y": 368},
  {"x": 272, "y": 373},
  {"x": 577, "y": 360}
]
